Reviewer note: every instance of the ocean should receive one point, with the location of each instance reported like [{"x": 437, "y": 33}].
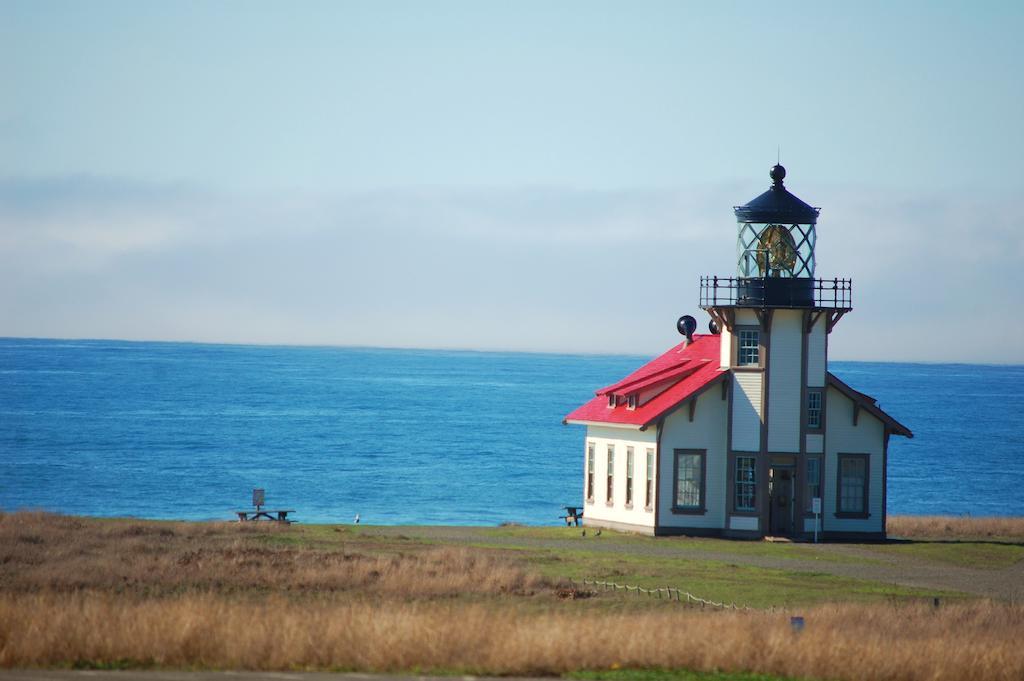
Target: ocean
[{"x": 187, "y": 430}]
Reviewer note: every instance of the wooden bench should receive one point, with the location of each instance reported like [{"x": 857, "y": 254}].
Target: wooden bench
[
  {"x": 280, "y": 516},
  {"x": 573, "y": 515}
]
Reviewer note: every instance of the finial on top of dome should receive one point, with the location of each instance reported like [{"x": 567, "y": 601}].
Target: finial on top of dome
[{"x": 777, "y": 173}]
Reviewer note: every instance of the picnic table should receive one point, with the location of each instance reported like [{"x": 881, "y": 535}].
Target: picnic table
[
  {"x": 280, "y": 516},
  {"x": 573, "y": 515}
]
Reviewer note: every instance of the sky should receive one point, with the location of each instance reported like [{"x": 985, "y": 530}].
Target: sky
[{"x": 532, "y": 176}]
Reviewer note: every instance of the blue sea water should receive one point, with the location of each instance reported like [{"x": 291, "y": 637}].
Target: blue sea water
[{"x": 182, "y": 430}]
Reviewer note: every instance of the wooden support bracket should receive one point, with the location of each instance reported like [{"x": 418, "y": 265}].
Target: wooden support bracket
[
  {"x": 722, "y": 317},
  {"x": 814, "y": 320},
  {"x": 833, "y": 319}
]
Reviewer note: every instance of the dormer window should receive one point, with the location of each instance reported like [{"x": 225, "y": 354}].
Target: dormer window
[
  {"x": 612, "y": 401},
  {"x": 631, "y": 402}
]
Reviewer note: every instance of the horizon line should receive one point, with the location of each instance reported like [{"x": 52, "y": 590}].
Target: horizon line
[{"x": 398, "y": 348}]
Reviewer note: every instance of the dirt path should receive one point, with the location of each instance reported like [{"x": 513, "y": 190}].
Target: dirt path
[{"x": 847, "y": 560}]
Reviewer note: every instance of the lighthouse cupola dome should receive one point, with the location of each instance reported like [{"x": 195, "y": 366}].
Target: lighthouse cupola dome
[{"x": 777, "y": 204}]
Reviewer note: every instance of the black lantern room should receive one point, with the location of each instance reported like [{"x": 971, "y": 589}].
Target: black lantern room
[
  {"x": 775, "y": 247},
  {"x": 775, "y": 240}
]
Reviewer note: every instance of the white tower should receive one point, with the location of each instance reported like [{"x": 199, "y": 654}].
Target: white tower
[{"x": 774, "y": 317}]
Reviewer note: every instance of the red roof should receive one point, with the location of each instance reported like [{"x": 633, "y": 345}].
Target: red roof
[{"x": 681, "y": 373}]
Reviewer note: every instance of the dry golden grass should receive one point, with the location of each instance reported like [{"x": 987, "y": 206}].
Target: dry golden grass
[
  {"x": 972, "y": 641},
  {"x": 247, "y": 596},
  {"x": 45, "y": 552},
  {"x": 950, "y": 527}
]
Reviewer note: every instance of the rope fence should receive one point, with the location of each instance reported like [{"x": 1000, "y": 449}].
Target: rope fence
[{"x": 668, "y": 592}]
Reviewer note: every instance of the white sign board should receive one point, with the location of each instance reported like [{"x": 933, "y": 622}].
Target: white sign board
[
  {"x": 816, "y": 505},
  {"x": 257, "y": 497}
]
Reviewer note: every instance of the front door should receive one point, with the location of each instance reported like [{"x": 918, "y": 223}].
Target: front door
[{"x": 780, "y": 510}]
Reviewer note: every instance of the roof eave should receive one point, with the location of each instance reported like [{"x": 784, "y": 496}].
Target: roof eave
[
  {"x": 607, "y": 424},
  {"x": 868, "y": 403}
]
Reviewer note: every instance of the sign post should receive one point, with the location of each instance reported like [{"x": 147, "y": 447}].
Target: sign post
[
  {"x": 816, "y": 509},
  {"x": 257, "y": 499}
]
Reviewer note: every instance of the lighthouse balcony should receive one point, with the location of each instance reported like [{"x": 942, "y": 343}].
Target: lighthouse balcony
[{"x": 785, "y": 292}]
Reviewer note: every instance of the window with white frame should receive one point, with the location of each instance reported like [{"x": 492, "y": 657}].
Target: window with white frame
[
  {"x": 814, "y": 409},
  {"x": 853, "y": 484},
  {"x": 748, "y": 351},
  {"x": 631, "y": 402},
  {"x": 689, "y": 479},
  {"x": 611, "y": 475},
  {"x": 649, "y": 492},
  {"x": 745, "y": 483},
  {"x": 629, "y": 476},
  {"x": 590, "y": 471}
]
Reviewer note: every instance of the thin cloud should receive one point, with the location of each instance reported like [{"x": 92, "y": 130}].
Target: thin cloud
[{"x": 535, "y": 268}]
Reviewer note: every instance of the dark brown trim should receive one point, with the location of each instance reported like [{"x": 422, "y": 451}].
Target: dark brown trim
[
  {"x": 657, "y": 473},
  {"x": 630, "y": 480},
  {"x": 730, "y": 318},
  {"x": 812, "y": 319},
  {"x": 885, "y": 481},
  {"x": 833, "y": 318},
  {"x": 609, "y": 476},
  {"x": 868, "y": 404},
  {"x": 588, "y": 480},
  {"x": 866, "y": 513},
  {"x": 693, "y": 407},
  {"x": 841, "y": 536},
  {"x": 761, "y": 500},
  {"x": 764, "y": 318},
  {"x": 731, "y": 486},
  {"x": 688, "y": 532},
  {"x": 728, "y": 449},
  {"x": 734, "y": 351},
  {"x": 725, "y": 390},
  {"x": 720, "y": 319},
  {"x": 824, "y": 443},
  {"x": 808, "y": 430},
  {"x": 805, "y": 477},
  {"x": 702, "y": 508}
]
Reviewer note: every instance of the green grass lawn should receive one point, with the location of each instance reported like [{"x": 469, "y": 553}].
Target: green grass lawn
[
  {"x": 562, "y": 553},
  {"x": 975, "y": 554}
]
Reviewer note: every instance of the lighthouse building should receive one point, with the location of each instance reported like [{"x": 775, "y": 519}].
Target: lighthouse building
[{"x": 743, "y": 432}]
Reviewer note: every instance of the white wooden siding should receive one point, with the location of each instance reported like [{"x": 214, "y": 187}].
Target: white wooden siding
[
  {"x": 746, "y": 411},
  {"x": 815, "y": 443},
  {"x": 843, "y": 437},
  {"x": 707, "y": 431},
  {"x": 640, "y": 441},
  {"x": 817, "y": 341},
  {"x": 784, "y": 358},
  {"x": 746, "y": 316}
]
